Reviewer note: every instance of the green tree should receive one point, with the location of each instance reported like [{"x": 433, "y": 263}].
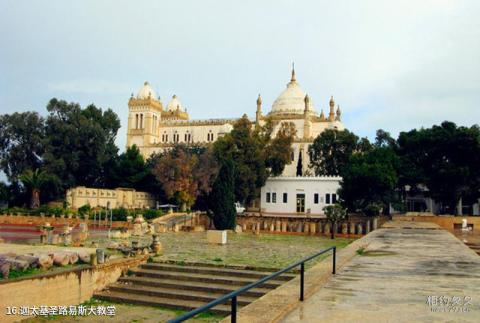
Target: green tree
[
  {"x": 279, "y": 149},
  {"x": 384, "y": 139},
  {"x": 369, "y": 179},
  {"x": 4, "y": 192},
  {"x": 221, "y": 200},
  {"x": 34, "y": 181},
  {"x": 79, "y": 145},
  {"x": 334, "y": 213},
  {"x": 331, "y": 150},
  {"x": 21, "y": 143},
  {"x": 255, "y": 154},
  {"x": 445, "y": 158},
  {"x": 129, "y": 170}
]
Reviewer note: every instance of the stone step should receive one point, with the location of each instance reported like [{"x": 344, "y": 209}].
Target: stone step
[
  {"x": 218, "y": 271},
  {"x": 238, "y": 281},
  {"x": 200, "y": 296},
  {"x": 194, "y": 286},
  {"x": 178, "y": 304}
]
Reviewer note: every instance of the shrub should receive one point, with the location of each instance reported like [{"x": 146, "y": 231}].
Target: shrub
[
  {"x": 119, "y": 214},
  {"x": 372, "y": 209},
  {"x": 84, "y": 209},
  {"x": 151, "y": 214}
]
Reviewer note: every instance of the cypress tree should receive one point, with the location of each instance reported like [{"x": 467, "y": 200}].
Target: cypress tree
[{"x": 222, "y": 197}]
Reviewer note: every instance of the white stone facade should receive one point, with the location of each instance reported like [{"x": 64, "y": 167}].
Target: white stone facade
[
  {"x": 153, "y": 128},
  {"x": 299, "y": 195}
]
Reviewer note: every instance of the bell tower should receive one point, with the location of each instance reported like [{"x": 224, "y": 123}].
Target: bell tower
[{"x": 144, "y": 115}]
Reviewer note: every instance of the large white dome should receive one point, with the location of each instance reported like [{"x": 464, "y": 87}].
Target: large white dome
[
  {"x": 292, "y": 99},
  {"x": 174, "y": 104},
  {"x": 146, "y": 92}
]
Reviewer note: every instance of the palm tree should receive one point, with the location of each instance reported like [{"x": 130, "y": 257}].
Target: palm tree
[{"x": 34, "y": 181}]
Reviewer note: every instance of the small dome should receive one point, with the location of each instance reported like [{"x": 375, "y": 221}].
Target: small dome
[
  {"x": 146, "y": 92},
  {"x": 291, "y": 100},
  {"x": 174, "y": 104}
]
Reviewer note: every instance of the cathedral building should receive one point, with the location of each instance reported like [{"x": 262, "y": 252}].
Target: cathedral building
[{"x": 153, "y": 127}]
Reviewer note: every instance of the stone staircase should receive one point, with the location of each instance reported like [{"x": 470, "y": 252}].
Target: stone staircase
[
  {"x": 474, "y": 247},
  {"x": 186, "y": 287}
]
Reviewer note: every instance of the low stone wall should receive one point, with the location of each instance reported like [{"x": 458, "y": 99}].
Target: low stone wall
[
  {"x": 448, "y": 222},
  {"x": 69, "y": 287},
  {"x": 55, "y": 221},
  {"x": 354, "y": 226}
]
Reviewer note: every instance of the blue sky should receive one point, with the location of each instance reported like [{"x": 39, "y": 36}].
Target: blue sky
[{"x": 390, "y": 65}]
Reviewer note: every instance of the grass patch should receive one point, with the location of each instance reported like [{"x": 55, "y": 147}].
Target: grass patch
[
  {"x": 15, "y": 273},
  {"x": 360, "y": 251}
]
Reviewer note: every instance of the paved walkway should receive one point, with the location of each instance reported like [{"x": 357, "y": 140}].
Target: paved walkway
[{"x": 405, "y": 273}]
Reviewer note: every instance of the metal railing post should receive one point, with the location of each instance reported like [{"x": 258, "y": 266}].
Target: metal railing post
[
  {"x": 302, "y": 279},
  {"x": 334, "y": 260},
  {"x": 233, "y": 313}
]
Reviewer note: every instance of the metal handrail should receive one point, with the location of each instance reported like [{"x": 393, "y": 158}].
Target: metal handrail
[{"x": 233, "y": 295}]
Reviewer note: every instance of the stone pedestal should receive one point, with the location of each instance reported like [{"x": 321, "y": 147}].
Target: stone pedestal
[
  {"x": 375, "y": 224},
  {"x": 367, "y": 227},
  {"x": 100, "y": 256},
  {"x": 217, "y": 236},
  {"x": 284, "y": 226},
  {"x": 67, "y": 238},
  {"x": 53, "y": 239},
  {"x": 160, "y": 227},
  {"x": 93, "y": 259},
  {"x": 156, "y": 245},
  {"x": 199, "y": 228},
  {"x": 83, "y": 227},
  {"x": 265, "y": 226},
  {"x": 137, "y": 229},
  {"x": 272, "y": 227},
  {"x": 313, "y": 227},
  {"x": 306, "y": 227},
  {"x": 344, "y": 228},
  {"x": 244, "y": 227}
]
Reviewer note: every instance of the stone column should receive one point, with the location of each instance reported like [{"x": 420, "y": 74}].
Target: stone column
[
  {"x": 459, "y": 207},
  {"x": 344, "y": 228},
  {"x": 299, "y": 227},
  {"x": 375, "y": 223},
  {"x": 326, "y": 228},
  {"x": 313, "y": 227},
  {"x": 284, "y": 226},
  {"x": 359, "y": 228},
  {"x": 278, "y": 225},
  {"x": 367, "y": 226},
  {"x": 352, "y": 227},
  {"x": 265, "y": 225},
  {"x": 272, "y": 227},
  {"x": 306, "y": 227}
]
